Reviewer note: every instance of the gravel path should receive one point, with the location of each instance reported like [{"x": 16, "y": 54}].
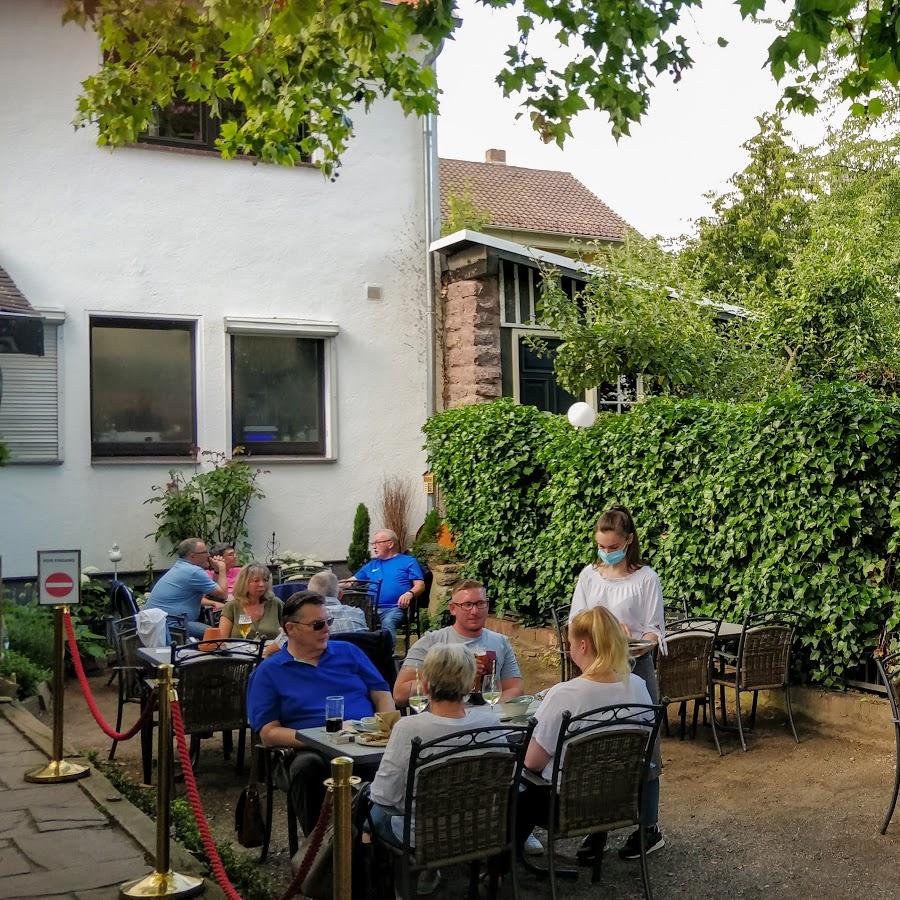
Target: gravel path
[{"x": 781, "y": 821}]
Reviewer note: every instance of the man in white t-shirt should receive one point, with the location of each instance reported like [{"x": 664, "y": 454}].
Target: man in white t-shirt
[{"x": 469, "y": 606}]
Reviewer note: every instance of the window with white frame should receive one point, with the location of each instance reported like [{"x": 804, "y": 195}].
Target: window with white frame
[
  {"x": 281, "y": 387},
  {"x": 29, "y": 401},
  {"x": 530, "y": 377},
  {"x": 143, "y": 387}
]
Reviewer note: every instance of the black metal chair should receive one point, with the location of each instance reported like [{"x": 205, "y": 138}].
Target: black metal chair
[
  {"x": 684, "y": 672},
  {"x": 212, "y": 689},
  {"x": 421, "y": 602},
  {"x": 363, "y": 595},
  {"x": 461, "y": 795},
  {"x": 378, "y": 647},
  {"x": 567, "y": 669},
  {"x": 600, "y": 769},
  {"x": 762, "y": 663},
  {"x": 889, "y": 672},
  {"x": 130, "y": 669}
]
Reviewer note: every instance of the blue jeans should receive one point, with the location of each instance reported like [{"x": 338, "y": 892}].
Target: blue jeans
[
  {"x": 391, "y": 619},
  {"x": 381, "y": 822}
]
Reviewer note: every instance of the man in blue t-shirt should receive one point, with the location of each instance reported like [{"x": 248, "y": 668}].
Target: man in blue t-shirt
[
  {"x": 186, "y": 585},
  {"x": 288, "y": 690},
  {"x": 399, "y": 575}
]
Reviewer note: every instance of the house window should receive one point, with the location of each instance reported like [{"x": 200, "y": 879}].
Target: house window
[
  {"x": 282, "y": 387},
  {"x": 185, "y": 123},
  {"x": 520, "y": 292},
  {"x": 29, "y": 402},
  {"x": 143, "y": 387}
]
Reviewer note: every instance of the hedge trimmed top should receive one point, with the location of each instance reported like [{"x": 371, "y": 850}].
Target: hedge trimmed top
[{"x": 789, "y": 503}]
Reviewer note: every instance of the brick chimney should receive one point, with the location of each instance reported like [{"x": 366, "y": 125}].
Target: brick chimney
[{"x": 495, "y": 156}]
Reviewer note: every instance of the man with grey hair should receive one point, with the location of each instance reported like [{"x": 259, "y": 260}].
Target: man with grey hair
[
  {"x": 399, "y": 576},
  {"x": 186, "y": 585},
  {"x": 346, "y": 618}
]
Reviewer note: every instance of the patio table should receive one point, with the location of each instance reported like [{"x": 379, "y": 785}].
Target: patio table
[{"x": 322, "y": 742}]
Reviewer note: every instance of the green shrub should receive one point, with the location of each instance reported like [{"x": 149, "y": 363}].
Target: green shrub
[
  {"x": 30, "y": 630},
  {"x": 28, "y": 675},
  {"x": 212, "y": 505},
  {"x": 358, "y": 551},
  {"x": 790, "y": 503}
]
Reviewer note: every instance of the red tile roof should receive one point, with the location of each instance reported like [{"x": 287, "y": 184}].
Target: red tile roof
[
  {"x": 531, "y": 199},
  {"x": 11, "y": 298}
]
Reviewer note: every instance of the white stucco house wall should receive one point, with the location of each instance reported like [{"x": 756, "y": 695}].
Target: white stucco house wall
[{"x": 273, "y": 308}]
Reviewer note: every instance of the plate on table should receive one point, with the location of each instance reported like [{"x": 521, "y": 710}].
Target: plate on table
[{"x": 639, "y": 647}]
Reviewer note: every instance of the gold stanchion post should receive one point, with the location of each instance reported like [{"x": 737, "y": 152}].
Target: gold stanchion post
[
  {"x": 164, "y": 882},
  {"x": 58, "y": 769},
  {"x": 341, "y": 786}
]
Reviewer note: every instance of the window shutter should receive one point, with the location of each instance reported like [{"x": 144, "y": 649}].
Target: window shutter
[{"x": 29, "y": 407}]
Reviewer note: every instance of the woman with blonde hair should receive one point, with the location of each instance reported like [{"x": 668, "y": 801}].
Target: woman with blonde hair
[
  {"x": 599, "y": 648},
  {"x": 253, "y": 598}
]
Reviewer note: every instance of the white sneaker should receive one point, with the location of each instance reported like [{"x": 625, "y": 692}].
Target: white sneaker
[
  {"x": 428, "y": 881},
  {"x": 532, "y": 845}
]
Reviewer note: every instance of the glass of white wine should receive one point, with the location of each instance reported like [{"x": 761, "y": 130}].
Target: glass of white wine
[
  {"x": 244, "y": 624},
  {"x": 490, "y": 688},
  {"x": 418, "y": 699}
]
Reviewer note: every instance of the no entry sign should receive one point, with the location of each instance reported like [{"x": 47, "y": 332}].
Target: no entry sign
[{"x": 59, "y": 577}]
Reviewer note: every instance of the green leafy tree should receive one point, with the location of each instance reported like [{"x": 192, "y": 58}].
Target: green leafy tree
[
  {"x": 758, "y": 224},
  {"x": 638, "y": 314},
  {"x": 358, "y": 551},
  {"x": 292, "y": 64},
  {"x": 463, "y": 212}
]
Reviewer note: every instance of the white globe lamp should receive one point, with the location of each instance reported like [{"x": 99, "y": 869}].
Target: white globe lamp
[{"x": 580, "y": 415}]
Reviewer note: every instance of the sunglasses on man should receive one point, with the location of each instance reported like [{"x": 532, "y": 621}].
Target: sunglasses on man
[{"x": 316, "y": 625}]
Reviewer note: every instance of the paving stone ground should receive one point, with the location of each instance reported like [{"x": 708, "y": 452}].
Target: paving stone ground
[{"x": 79, "y": 840}]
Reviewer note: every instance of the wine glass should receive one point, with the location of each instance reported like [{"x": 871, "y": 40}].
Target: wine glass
[
  {"x": 245, "y": 623},
  {"x": 490, "y": 688},
  {"x": 418, "y": 699}
]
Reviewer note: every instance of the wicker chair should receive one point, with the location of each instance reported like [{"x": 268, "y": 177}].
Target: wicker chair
[
  {"x": 762, "y": 663},
  {"x": 212, "y": 688},
  {"x": 684, "y": 673},
  {"x": 889, "y": 672},
  {"x": 461, "y": 792},
  {"x": 130, "y": 669},
  {"x": 600, "y": 768},
  {"x": 567, "y": 669}
]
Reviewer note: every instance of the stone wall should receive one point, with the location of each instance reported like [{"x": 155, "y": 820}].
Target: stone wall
[{"x": 470, "y": 335}]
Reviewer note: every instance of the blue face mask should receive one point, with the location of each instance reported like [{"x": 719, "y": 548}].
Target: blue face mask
[{"x": 612, "y": 558}]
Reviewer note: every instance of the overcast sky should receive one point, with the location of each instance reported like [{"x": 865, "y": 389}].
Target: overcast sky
[{"x": 689, "y": 143}]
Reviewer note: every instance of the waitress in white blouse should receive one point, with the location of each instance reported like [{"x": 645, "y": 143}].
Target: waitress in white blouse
[{"x": 631, "y": 591}]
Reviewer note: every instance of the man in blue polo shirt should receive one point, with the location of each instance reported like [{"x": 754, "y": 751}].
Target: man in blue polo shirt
[
  {"x": 399, "y": 575},
  {"x": 288, "y": 691}
]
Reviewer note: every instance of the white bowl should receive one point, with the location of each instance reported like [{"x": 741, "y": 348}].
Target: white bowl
[
  {"x": 516, "y": 706},
  {"x": 369, "y": 723}
]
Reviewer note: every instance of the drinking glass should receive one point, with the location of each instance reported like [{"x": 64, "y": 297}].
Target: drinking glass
[
  {"x": 490, "y": 688},
  {"x": 418, "y": 699},
  {"x": 334, "y": 714},
  {"x": 245, "y": 623}
]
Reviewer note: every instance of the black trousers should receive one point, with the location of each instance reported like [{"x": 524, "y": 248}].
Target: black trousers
[{"x": 302, "y": 777}]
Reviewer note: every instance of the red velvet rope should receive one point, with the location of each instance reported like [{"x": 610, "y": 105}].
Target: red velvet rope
[
  {"x": 190, "y": 785},
  {"x": 312, "y": 850},
  {"x": 89, "y": 697}
]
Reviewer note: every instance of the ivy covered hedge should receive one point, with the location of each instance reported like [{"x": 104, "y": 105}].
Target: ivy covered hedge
[{"x": 790, "y": 503}]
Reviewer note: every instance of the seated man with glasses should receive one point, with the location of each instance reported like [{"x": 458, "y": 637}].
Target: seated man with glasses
[
  {"x": 469, "y": 606},
  {"x": 288, "y": 690},
  {"x": 400, "y": 578}
]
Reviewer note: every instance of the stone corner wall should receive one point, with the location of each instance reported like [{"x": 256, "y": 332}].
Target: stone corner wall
[{"x": 471, "y": 340}]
